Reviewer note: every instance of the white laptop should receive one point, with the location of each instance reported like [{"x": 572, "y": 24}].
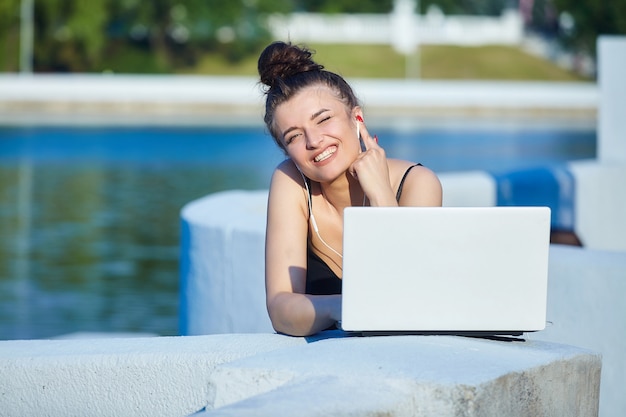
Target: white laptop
[{"x": 445, "y": 270}]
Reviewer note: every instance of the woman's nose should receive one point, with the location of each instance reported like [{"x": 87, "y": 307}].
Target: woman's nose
[{"x": 313, "y": 140}]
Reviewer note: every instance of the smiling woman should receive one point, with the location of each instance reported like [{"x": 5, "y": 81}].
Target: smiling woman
[{"x": 333, "y": 163}]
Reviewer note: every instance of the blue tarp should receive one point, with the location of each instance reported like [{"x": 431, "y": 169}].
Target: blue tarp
[{"x": 553, "y": 187}]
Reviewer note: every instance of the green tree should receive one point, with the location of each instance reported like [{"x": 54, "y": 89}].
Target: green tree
[
  {"x": 134, "y": 35},
  {"x": 70, "y": 35},
  {"x": 9, "y": 35},
  {"x": 344, "y": 6},
  {"x": 177, "y": 33},
  {"x": 592, "y": 18}
]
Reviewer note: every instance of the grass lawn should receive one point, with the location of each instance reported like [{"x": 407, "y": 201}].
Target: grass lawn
[
  {"x": 435, "y": 62},
  {"x": 489, "y": 63}
]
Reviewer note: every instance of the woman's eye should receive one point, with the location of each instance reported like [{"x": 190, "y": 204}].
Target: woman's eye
[
  {"x": 323, "y": 120},
  {"x": 291, "y": 138}
]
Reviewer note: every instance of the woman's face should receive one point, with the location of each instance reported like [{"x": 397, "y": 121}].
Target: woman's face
[{"x": 318, "y": 132}]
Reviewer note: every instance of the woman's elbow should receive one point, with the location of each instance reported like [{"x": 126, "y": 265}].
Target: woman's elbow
[{"x": 284, "y": 319}]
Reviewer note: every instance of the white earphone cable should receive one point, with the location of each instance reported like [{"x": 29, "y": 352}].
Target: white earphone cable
[{"x": 312, "y": 218}]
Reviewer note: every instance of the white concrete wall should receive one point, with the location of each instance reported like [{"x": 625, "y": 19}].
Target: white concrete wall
[
  {"x": 274, "y": 375},
  {"x": 612, "y": 112},
  {"x": 222, "y": 261},
  {"x": 586, "y": 308},
  {"x": 601, "y": 190},
  {"x": 600, "y": 204},
  {"x": 468, "y": 189}
]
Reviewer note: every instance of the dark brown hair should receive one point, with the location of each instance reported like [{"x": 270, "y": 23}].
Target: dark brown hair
[{"x": 285, "y": 69}]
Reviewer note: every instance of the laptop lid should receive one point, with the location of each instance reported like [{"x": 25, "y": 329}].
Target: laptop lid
[{"x": 475, "y": 270}]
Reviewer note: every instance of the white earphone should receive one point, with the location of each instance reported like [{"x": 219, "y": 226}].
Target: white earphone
[{"x": 312, "y": 217}]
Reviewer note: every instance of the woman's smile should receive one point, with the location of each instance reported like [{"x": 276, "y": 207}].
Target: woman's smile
[{"x": 328, "y": 152}]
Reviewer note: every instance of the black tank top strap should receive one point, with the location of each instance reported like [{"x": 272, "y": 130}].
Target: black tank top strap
[{"x": 399, "y": 193}]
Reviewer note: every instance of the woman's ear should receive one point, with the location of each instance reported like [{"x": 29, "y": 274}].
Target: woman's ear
[{"x": 357, "y": 114}]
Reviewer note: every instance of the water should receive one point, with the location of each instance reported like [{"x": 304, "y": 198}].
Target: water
[{"x": 89, "y": 216}]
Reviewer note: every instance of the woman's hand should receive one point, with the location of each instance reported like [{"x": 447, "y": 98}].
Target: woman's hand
[{"x": 372, "y": 171}]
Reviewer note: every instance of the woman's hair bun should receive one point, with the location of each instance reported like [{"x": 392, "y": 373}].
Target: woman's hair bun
[{"x": 281, "y": 60}]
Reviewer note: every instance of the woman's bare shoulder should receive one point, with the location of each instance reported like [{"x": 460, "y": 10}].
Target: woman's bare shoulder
[
  {"x": 287, "y": 185},
  {"x": 287, "y": 168},
  {"x": 421, "y": 184}
]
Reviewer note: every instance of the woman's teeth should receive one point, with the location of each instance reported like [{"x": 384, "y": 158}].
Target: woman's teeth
[{"x": 328, "y": 152}]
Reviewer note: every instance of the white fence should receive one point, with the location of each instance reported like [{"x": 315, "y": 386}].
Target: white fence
[{"x": 403, "y": 31}]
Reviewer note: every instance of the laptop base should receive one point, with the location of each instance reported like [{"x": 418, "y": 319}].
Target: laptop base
[{"x": 505, "y": 336}]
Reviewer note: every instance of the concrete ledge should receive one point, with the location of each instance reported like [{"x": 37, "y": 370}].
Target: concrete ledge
[
  {"x": 53, "y": 97},
  {"x": 118, "y": 377},
  {"x": 274, "y": 375}
]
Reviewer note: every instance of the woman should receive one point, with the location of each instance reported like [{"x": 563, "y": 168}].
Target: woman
[{"x": 314, "y": 116}]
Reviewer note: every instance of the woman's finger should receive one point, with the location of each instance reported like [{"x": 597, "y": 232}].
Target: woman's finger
[{"x": 368, "y": 141}]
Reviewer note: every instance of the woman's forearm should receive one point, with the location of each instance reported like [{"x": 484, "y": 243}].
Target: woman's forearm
[{"x": 304, "y": 314}]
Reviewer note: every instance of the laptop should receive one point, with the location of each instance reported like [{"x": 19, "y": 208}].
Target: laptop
[{"x": 445, "y": 270}]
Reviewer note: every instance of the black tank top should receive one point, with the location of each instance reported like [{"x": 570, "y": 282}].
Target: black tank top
[{"x": 320, "y": 279}]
